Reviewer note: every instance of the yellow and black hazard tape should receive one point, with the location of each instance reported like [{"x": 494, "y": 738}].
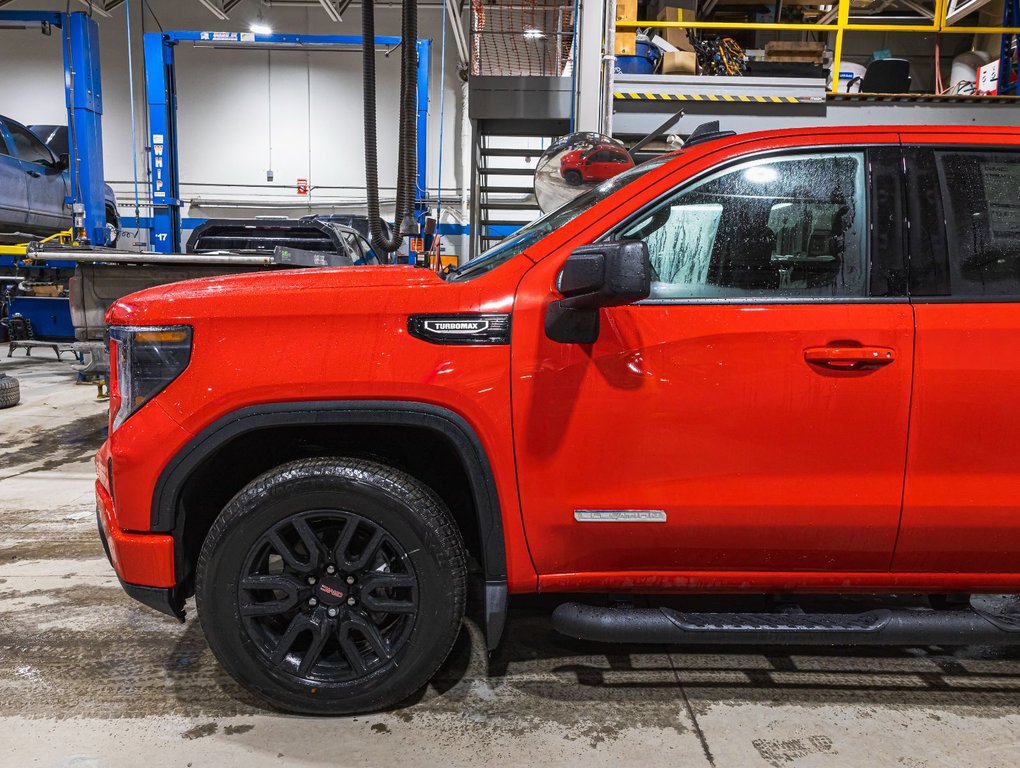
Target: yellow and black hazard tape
[{"x": 710, "y": 97}]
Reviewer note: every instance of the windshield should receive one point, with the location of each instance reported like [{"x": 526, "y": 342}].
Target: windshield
[{"x": 527, "y": 236}]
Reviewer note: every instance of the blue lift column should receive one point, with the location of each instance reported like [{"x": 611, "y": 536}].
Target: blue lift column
[
  {"x": 84, "y": 95},
  {"x": 161, "y": 101},
  {"x": 424, "y": 48}
]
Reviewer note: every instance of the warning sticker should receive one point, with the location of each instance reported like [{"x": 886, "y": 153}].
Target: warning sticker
[{"x": 219, "y": 36}]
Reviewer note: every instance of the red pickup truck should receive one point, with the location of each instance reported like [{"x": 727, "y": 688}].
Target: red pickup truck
[{"x": 782, "y": 363}]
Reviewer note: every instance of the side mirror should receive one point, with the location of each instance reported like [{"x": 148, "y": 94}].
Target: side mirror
[
  {"x": 63, "y": 162},
  {"x": 594, "y": 276}
]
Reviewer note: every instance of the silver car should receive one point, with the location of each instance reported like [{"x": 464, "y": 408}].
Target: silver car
[{"x": 34, "y": 182}]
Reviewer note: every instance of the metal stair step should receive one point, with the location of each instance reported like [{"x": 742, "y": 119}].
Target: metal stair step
[
  {"x": 507, "y": 190},
  {"x": 510, "y": 152},
  {"x": 507, "y": 171},
  {"x": 508, "y": 205}
]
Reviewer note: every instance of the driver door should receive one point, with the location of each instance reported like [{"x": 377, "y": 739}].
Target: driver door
[{"x": 722, "y": 424}]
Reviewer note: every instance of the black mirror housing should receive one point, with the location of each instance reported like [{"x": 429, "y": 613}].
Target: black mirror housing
[
  {"x": 63, "y": 162},
  {"x": 605, "y": 274}
]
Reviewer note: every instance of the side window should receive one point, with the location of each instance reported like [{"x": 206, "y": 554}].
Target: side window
[
  {"x": 981, "y": 197},
  {"x": 778, "y": 227},
  {"x": 27, "y": 147}
]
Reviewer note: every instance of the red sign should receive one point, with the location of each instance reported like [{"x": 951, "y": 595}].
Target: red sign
[
  {"x": 302, "y": 186},
  {"x": 416, "y": 244}
]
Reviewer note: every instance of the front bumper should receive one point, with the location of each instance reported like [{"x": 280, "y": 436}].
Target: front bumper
[{"x": 144, "y": 562}]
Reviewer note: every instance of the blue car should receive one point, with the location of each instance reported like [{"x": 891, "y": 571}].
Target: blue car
[{"x": 34, "y": 182}]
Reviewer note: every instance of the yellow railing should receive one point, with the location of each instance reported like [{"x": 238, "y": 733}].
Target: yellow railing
[{"x": 939, "y": 25}]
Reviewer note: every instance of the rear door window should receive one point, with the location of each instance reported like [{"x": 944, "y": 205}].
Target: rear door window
[{"x": 981, "y": 198}]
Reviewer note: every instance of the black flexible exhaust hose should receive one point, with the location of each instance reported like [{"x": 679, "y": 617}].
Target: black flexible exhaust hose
[{"x": 407, "y": 150}]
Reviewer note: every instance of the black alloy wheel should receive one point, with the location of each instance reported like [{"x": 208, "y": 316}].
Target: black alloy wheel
[
  {"x": 332, "y": 586},
  {"x": 328, "y": 595}
]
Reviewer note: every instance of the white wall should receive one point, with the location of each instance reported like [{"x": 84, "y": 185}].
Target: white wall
[{"x": 225, "y": 106}]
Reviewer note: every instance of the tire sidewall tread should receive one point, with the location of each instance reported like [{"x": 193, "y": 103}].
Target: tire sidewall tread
[
  {"x": 10, "y": 391},
  {"x": 408, "y": 510}
]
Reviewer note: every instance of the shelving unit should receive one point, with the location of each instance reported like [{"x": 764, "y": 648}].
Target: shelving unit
[
  {"x": 940, "y": 19},
  {"x": 640, "y": 103}
]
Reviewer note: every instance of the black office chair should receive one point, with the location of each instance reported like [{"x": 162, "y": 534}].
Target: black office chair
[{"x": 884, "y": 76}]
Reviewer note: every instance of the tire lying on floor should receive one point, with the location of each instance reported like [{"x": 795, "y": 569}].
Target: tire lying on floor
[{"x": 10, "y": 391}]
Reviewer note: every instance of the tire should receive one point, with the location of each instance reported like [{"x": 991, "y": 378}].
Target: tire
[
  {"x": 573, "y": 178},
  {"x": 112, "y": 226},
  {"x": 264, "y": 619},
  {"x": 10, "y": 391}
]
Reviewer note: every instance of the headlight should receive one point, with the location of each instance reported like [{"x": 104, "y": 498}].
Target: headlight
[{"x": 144, "y": 361}]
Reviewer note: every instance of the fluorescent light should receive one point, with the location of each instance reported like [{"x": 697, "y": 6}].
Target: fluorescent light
[
  {"x": 534, "y": 34},
  {"x": 779, "y": 206},
  {"x": 261, "y": 29}
]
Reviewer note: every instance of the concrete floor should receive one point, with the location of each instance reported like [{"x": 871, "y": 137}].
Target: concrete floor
[{"x": 88, "y": 677}]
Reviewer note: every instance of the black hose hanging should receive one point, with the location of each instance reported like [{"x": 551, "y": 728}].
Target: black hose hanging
[{"x": 408, "y": 149}]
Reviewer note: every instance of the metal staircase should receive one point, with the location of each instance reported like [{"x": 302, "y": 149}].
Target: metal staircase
[{"x": 503, "y": 185}]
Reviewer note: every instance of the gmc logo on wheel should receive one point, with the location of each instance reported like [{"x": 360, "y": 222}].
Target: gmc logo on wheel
[{"x": 330, "y": 591}]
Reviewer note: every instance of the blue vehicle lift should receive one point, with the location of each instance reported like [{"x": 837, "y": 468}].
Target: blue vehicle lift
[
  {"x": 161, "y": 100},
  {"x": 84, "y": 96}
]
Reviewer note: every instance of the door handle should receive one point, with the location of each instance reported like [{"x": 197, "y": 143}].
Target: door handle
[
  {"x": 34, "y": 174},
  {"x": 849, "y": 358}
]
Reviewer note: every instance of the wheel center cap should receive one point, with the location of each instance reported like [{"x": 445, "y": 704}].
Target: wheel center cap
[{"x": 332, "y": 590}]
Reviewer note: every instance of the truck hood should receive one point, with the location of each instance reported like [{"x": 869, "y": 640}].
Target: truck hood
[{"x": 287, "y": 291}]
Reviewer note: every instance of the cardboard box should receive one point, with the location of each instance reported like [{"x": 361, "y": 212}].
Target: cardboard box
[
  {"x": 680, "y": 63},
  {"x": 626, "y": 44},
  {"x": 673, "y": 35},
  {"x": 654, "y": 7},
  {"x": 626, "y": 10},
  {"x": 794, "y": 52}
]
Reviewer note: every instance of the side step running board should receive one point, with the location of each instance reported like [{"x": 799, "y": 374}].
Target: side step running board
[{"x": 879, "y": 627}]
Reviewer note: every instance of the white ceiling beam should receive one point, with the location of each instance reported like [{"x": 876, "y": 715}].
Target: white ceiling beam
[
  {"x": 957, "y": 10},
  {"x": 219, "y": 8},
  {"x": 332, "y": 10}
]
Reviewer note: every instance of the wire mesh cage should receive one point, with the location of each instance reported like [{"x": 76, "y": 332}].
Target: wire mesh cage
[{"x": 521, "y": 37}]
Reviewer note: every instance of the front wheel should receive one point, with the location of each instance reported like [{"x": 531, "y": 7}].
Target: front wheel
[
  {"x": 112, "y": 226},
  {"x": 332, "y": 586}
]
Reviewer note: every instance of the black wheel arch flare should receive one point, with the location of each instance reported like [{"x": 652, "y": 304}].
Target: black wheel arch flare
[{"x": 166, "y": 515}]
